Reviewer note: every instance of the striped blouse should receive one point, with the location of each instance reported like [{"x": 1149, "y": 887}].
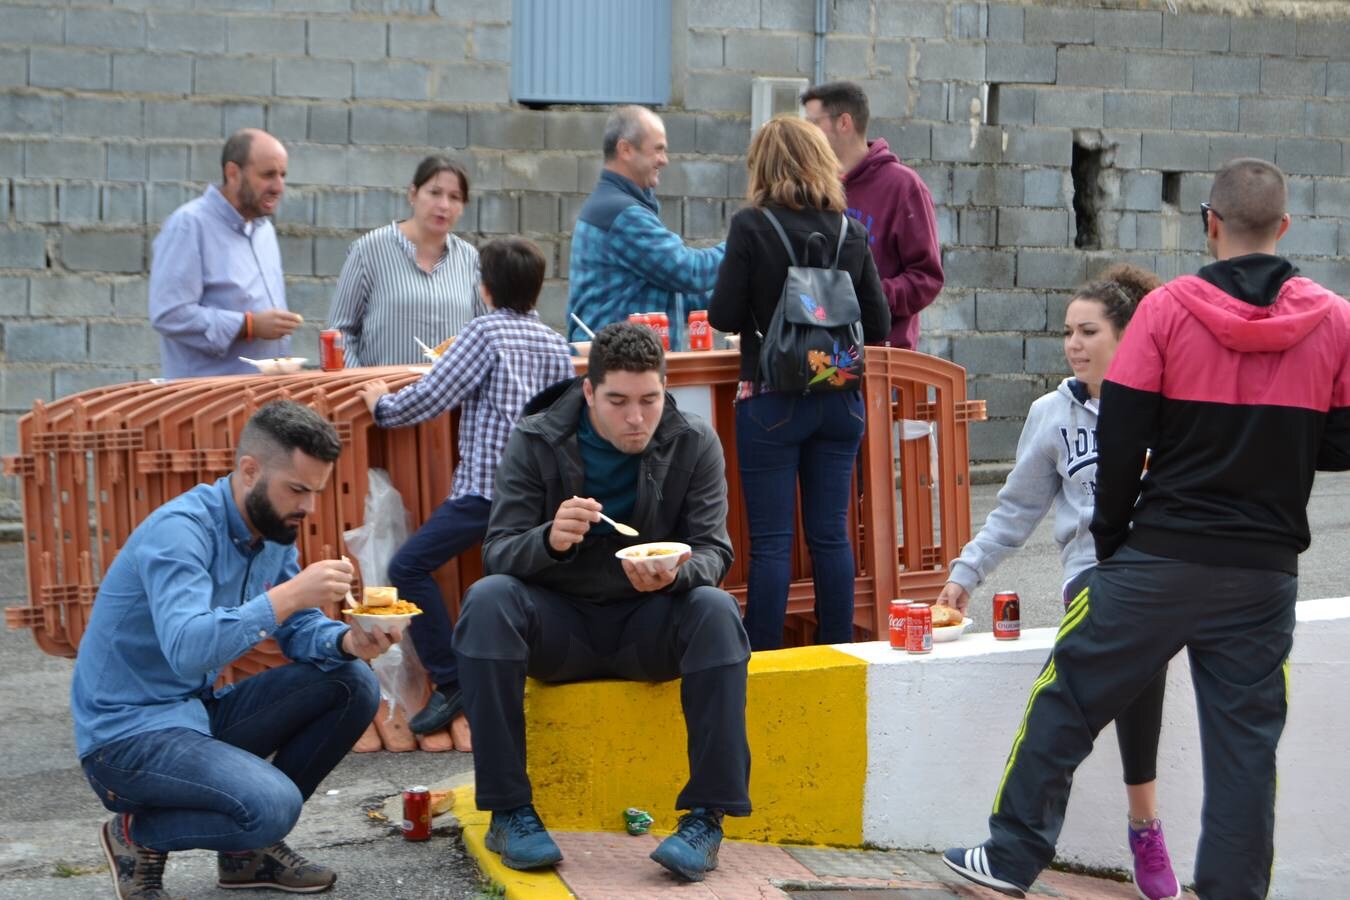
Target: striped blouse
[{"x": 384, "y": 300}]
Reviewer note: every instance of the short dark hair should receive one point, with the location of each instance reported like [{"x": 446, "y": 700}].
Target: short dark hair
[
  {"x": 276, "y": 430},
  {"x": 237, "y": 148},
  {"x": 513, "y": 271},
  {"x": 432, "y": 166},
  {"x": 842, "y": 97},
  {"x": 625, "y": 123},
  {"x": 1119, "y": 290},
  {"x": 624, "y": 347},
  {"x": 1249, "y": 196}
]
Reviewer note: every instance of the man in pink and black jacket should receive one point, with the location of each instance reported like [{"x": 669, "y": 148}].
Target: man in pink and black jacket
[
  {"x": 891, "y": 201},
  {"x": 1238, "y": 379}
]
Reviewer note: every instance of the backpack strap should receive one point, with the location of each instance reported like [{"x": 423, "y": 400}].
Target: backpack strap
[
  {"x": 782, "y": 235},
  {"x": 843, "y": 233}
]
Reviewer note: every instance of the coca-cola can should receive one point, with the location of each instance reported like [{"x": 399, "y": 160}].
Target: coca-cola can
[
  {"x": 661, "y": 322},
  {"x": 330, "y": 350},
  {"x": 897, "y": 620},
  {"x": 919, "y": 628},
  {"x": 700, "y": 332},
  {"x": 417, "y": 813},
  {"x": 1007, "y": 616}
]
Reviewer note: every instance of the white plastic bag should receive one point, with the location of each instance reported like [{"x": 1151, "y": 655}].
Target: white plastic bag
[{"x": 374, "y": 543}]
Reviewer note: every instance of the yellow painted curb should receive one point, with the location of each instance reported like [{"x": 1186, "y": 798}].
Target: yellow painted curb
[
  {"x": 598, "y": 747},
  {"x": 519, "y": 885}
]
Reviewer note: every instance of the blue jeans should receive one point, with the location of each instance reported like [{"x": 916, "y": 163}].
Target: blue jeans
[
  {"x": 454, "y": 527},
  {"x": 781, "y": 440},
  {"x": 187, "y": 790}
]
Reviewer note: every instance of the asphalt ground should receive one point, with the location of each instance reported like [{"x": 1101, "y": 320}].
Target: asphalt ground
[{"x": 49, "y": 817}]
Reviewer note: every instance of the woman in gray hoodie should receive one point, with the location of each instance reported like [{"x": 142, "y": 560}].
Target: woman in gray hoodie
[{"x": 1057, "y": 466}]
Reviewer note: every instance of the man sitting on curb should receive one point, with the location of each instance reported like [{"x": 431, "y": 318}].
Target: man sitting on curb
[
  {"x": 557, "y": 605},
  {"x": 201, "y": 581}
]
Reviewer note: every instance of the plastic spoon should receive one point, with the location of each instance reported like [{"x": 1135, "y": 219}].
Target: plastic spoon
[{"x": 625, "y": 530}]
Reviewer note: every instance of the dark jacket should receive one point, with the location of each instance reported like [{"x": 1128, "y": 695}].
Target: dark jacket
[
  {"x": 750, "y": 282},
  {"x": 1241, "y": 398},
  {"x": 681, "y": 496}
]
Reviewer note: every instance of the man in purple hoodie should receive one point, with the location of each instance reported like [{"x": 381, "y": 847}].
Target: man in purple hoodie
[{"x": 890, "y": 199}]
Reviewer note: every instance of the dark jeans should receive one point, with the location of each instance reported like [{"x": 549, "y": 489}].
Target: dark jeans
[
  {"x": 1139, "y": 725},
  {"x": 509, "y": 629},
  {"x": 1237, "y": 626},
  {"x": 781, "y": 440},
  {"x": 454, "y": 527},
  {"x": 189, "y": 790}
]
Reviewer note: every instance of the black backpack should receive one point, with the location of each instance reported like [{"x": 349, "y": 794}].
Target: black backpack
[{"x": 814, "y": 342}]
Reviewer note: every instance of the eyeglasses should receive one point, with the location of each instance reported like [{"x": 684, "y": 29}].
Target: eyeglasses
[{"x": 1205, "y": 212}]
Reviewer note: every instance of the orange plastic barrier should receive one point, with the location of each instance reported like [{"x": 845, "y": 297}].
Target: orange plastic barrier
[{"x": 93, "y": 465}]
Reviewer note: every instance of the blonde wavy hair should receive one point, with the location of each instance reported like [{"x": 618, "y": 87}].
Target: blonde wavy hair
[{"x": 791, "y": 164}]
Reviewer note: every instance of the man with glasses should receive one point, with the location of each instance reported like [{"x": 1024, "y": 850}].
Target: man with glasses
[
  {"x": 1238, "y": 378},
  {"x": 890, "y": 199}
]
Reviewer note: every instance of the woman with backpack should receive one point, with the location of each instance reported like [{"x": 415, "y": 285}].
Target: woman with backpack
[{"x": 799, "y": 285}]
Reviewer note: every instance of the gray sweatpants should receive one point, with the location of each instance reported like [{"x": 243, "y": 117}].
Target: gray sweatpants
[{"x": 1140, "y": 610}]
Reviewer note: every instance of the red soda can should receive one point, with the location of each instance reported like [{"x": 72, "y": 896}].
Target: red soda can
[
  {"x": 1007, "y": 616},
  {"x": 330, "y": 350},
  {"x": 638, "y": 318},
  {"x": 661, "y": 322},
  {"x": 919, "y": 628},
  {"x": 700, "y": 332},
  {"x": 417, "y": 813},
  {"x": 897, "y": 619}
]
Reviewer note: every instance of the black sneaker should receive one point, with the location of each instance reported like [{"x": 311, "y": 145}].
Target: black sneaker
[
  {"x": 973, "y": 865},
  {"x": 277, "y": 867},
  {"x": 691, "y": 851},
  {"x": 137, "y": 873}
]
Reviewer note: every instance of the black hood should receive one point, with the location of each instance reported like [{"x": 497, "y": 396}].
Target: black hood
[{"x": 1255, "y": 278}]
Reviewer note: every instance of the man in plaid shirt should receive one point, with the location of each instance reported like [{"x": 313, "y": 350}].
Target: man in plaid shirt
[
  {"x": 624, "y": 260},
  {"x": 498, "y": 362}
]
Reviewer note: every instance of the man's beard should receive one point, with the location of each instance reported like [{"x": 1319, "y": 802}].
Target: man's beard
[
  {"x": 250, "y": 202},
  {"x": 264, "y": 516}
]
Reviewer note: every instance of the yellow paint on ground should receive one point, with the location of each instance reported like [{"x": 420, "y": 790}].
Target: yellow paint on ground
[
  {"x": 519, "y": 885},
  {"x": 598, "y": 747}
]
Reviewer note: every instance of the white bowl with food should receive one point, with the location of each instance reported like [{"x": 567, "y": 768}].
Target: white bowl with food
[
  {"x": 382, "y": 610},
  {"x": 277, "y": 365},
  {"x": 656, "y": 554},
  {"x": 951, "y": 632}
]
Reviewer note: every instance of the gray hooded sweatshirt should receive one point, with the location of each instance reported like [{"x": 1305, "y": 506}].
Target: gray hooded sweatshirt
[{"x": 1056, "y": 464}]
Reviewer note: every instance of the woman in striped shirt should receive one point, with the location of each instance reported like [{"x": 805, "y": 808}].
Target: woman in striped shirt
[{"x": 410, "y": 279}]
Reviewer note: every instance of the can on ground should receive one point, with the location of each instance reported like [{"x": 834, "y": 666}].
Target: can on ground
[
  {"x": 1007, "y": 616},
  {"x": 330, "y": 350},
  {"x": 919, "y": 628},
  {"x": 897, "y": 619},
  {"x": 637, "y": 821},
  {"x": 700, "y": 332},
  {"x": 417, "y": 813}
]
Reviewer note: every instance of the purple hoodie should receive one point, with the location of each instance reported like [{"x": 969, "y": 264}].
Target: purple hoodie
[{"x": 894, "y": 204}]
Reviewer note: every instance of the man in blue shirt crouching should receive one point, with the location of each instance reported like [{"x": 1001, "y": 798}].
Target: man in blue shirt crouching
[{"x": 201, "y": 581}]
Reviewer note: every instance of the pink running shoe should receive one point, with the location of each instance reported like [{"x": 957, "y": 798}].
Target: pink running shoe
[{"x": 1153, "y": 875}]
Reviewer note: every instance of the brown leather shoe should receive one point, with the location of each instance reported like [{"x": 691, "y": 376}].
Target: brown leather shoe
[
  {"x": 137, "y": 873},
  {"x": 277, "y": 867}
]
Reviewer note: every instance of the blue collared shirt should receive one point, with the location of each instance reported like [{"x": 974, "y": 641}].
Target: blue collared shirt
[
  {"x": 185, "y": 596},
  {"x": 210, "y": 267}
]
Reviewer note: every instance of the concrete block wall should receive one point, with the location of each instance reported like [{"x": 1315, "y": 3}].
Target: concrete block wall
[{"x": 112, "y": 114}]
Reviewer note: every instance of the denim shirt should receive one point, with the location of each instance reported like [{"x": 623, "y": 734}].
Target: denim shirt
[
  {"x": 210, "y": 267},
  {"x": 185, "y": 596}
]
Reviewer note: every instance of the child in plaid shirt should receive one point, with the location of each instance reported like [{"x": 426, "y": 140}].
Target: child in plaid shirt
[{"x": 498, "y": 362}]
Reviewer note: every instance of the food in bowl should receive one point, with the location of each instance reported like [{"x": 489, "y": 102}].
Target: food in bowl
[
  {"x": 659, "y": 554},
  {"x": 397, "y": 608},
  {"x": 379, "y": 595},
  {"x": 945, "y": 616},
  {"x": 277, "y": 365}
]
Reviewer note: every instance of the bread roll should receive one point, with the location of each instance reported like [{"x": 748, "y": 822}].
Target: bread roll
[
  {"x": 945, "y": 616},
  {"x": 380, "y": 596}
]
